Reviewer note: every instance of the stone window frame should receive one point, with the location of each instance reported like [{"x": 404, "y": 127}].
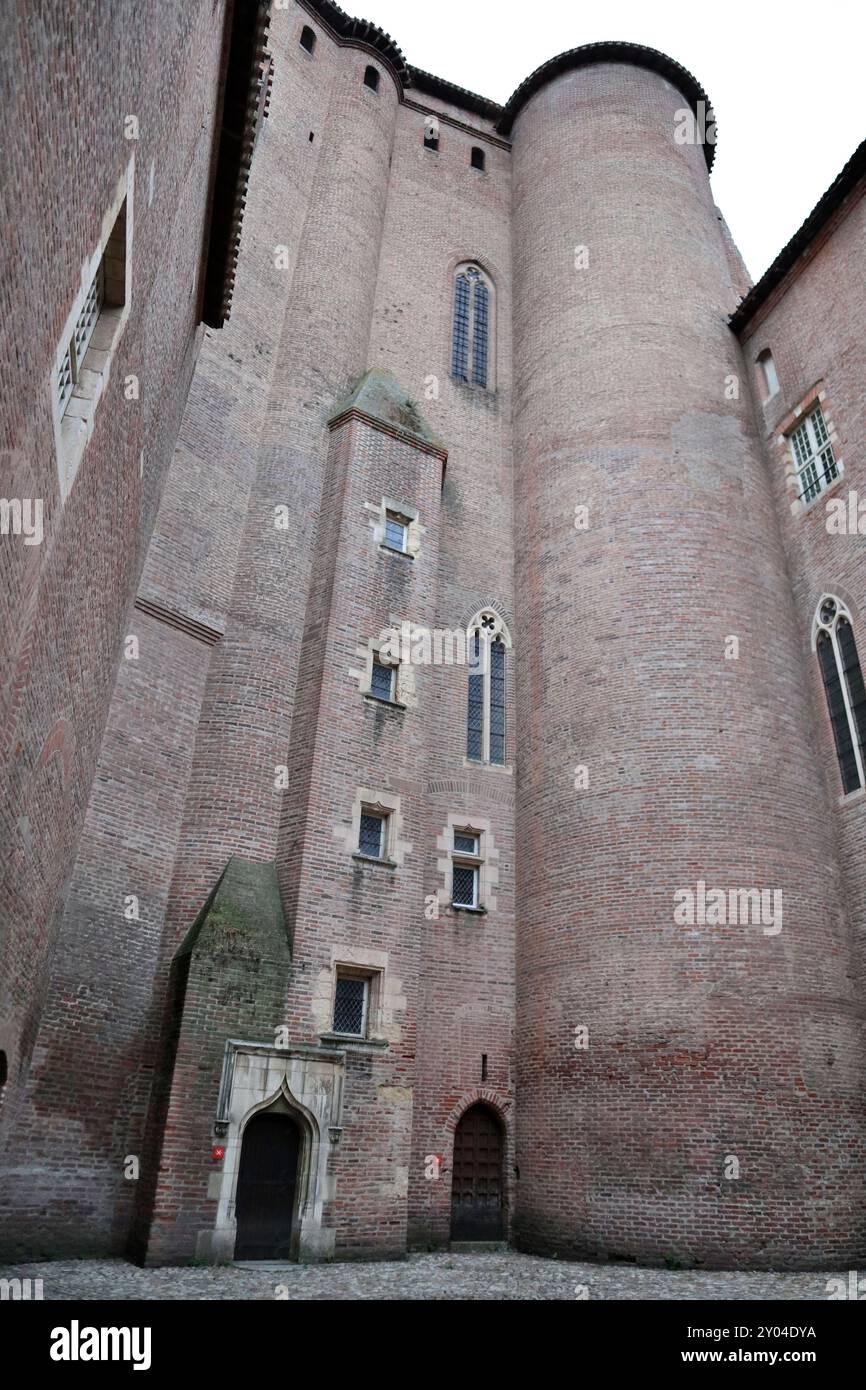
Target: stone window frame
[
  {"x": 471, "y": 822},
  {"x": 73, "y": 416},
  {"x": 385, "y": 998},
  {"x": 305, "y": 30},
  {"x": 816, "y": 395},
  {"x": 402, "y": 511},
  {"x": 375, "y": 802},
  {"x": 487, "y": 620},
  {"x": 404, "y": 677},
  {"x": 465, "y": 859}
]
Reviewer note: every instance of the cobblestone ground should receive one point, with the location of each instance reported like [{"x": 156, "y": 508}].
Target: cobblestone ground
[{"x": 506, "y": 1275}]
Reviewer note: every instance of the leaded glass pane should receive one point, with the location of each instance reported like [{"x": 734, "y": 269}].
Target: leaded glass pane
[
  {"x": 382, "y": 681},
  {"x": 460, "y": 346},
  {"x": 349, "y": 1005},
  {"x": 463, "y": 893},
  {"x": 497, "y": 702},
  {"x": 475, "y": 720},
  {"x": 370, "y": 838},
  {"x": 480, "y": 335}
]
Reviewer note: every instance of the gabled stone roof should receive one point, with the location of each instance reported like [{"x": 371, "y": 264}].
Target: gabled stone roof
[{"x": 380, "y": 398}]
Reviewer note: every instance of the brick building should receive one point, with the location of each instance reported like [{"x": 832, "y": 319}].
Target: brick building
[{"x": 434, "y": 740}]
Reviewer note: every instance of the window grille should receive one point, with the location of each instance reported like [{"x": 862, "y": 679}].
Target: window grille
[
  {"x": 371, "y": 836},
  {"x": 465, "y": 886},
  {"x": 460, "y": 348},
  {"x": 471, "y": 334},
  {"x": 382, "y": 681},
  {"x": 350, "y": 1005},
  {"x": 485, "y": 723},
  {"x": 813, "y": 456},
  {"x": 82, "y": 332}
]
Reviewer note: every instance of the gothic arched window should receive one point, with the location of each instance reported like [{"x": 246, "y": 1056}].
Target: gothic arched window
[
  {"x": 471, "y": 340},
  {"x": 844, "y": 688},
  {"x": 487, "y": 642}
]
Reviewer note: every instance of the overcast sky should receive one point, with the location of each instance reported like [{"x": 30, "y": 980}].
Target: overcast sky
[{"x": 786, "y": 79}]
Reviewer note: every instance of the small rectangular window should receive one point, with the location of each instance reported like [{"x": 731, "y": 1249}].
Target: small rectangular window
[
  {"x": 396, "y": 531},
  {"x": 477, "y": 158},
  {"x": 371, "y": 839},
  {"x": 813, "y": 456},
  {"x": 465, "y": 843},
  {"x": 382, "y": 681},
  {"x": 351, "y": 1003}
]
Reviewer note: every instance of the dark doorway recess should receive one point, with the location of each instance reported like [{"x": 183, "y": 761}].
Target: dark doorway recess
[
  {"x": 268, "y": 1177},
  {"x": 476, "y": 1189}
]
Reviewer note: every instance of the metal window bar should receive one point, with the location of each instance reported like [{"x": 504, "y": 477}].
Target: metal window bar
[
  {"x": 350, "y": 1005},
  {"x": 460, "y": 345},
  {"x": 813, "y": 456},
  {"x": 475, "y": 713},
  {"x": 497, "y": 702},
  {"x": 480, "y": 334},
  {"x": 370, "y": 836},
  {"x": 464, "y": 892}
]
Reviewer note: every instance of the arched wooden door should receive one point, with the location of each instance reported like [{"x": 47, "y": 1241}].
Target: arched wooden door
[
  {"x": 476, "y": 1188},
  {"x": 267, "y": 1179}
]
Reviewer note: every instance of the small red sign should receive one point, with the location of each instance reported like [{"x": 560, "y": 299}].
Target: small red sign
[{"x": 218, "y": 1153}]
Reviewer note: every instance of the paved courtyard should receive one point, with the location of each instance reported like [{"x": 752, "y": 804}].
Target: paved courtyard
[{"x": 443, "y": 1276}]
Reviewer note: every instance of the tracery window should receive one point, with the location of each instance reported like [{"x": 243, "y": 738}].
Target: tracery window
[
  {"x": 471, "y": 340},
  {"x": 844, "y": 689},
  {"x": 487, "y": 643}
]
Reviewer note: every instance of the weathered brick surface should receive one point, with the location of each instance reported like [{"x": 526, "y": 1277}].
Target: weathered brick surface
[
  {"x": 709, "y": 1041},
  {"x": 70, "y": 78},
  {"x": 705, "y": 1042},
  {"x": 815, "y": 328}
]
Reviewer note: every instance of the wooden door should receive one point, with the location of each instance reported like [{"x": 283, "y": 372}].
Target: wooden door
[
  {"x": 476, "y": 1188},
  {"x": 267, "y": 1179}
]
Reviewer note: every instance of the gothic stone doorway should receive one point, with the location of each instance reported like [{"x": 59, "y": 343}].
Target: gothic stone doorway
[
  {"x": 476, "y": 1188},
  {"x": 267, "y": 1179}
]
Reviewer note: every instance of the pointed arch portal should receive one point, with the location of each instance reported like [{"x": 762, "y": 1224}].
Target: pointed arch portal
[{"x": 267, "y": 1184}]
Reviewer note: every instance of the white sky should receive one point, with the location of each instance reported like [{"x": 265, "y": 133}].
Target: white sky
[{"x": 786, "y": 79}]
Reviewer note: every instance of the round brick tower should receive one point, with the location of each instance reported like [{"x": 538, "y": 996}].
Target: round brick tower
[{"x": 686, "y": 1089}]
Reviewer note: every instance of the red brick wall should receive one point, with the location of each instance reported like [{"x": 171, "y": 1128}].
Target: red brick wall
[
  {"x": 708, "y": 1041},
  {"x": 71, "y": 79},
  {"x": 815, "y": 327}
]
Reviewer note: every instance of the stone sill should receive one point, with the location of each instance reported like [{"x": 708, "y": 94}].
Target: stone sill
[
  {"x": 352, "y": 1040},
  {"x": 380, "y": 700},
  {"x": 462, "y": 907},
  {"x": 392, "y": 550},
  {"x": 382, "y": 863}
]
